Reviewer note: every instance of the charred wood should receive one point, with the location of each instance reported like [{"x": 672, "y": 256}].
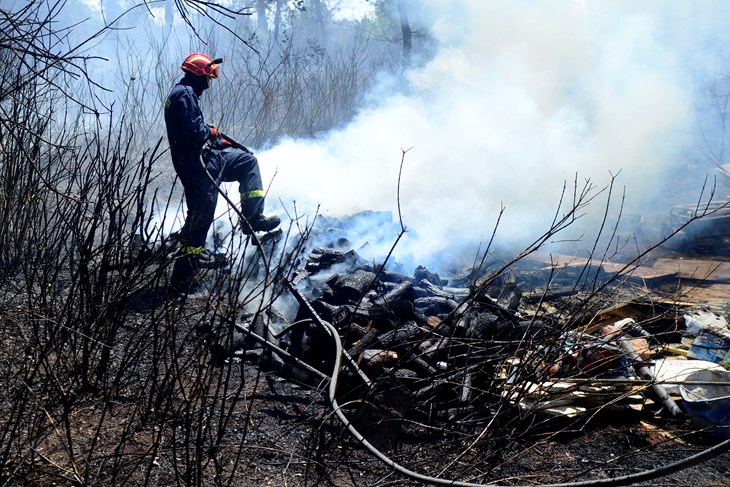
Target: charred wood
[
  {"x": 387, "y": 287},
  {"x": 227, "y": 340},
  {"x": 435, "y": 305},
  {"x": 380, "y": 311},
  {"x": 436, "y": 349},
  {"x": 466, "y": 388},
  {"x": 277, "y": 319},
  {"x": 322, "y": 258},
  {"x": 421, "y": 274},
  {"x": 354, "y": 332},
  {"x": 349, "y": 288},
  {"x": 508, "y": 296},
  {"x": 326, "y": 310},
  {"x": 402, "y": 311},
  {"x": 226, "y": 347},
  {"x": 404, "y": 338},
  {"x": 437, "y": 325},
  {"x": 483, "y": 325},
  {"x": 369, "y": 340},
  {"x": 426, "y": 288},
  {"x": 403, "y": 291},
  {"x": 411, "y": 360},
  {"x": 391, "y": 277}
]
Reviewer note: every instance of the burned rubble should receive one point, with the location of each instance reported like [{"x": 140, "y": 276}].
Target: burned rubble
[
  {"x": 487, "y": 363},
  {"x": 422, "y": 348}
]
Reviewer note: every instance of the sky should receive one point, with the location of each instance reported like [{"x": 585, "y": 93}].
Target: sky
[{"x": 522, "y": 99}]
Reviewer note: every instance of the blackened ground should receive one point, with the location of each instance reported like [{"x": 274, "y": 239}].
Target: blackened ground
[
  {"x": 165, "y": 415},
  {"x": 293, "y": 439}
]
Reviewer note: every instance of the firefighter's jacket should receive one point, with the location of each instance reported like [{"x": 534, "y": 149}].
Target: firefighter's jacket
[{"x": 186, "y": 132}]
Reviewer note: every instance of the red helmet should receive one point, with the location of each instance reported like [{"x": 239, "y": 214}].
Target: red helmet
[{"x": 201, "y": 65}]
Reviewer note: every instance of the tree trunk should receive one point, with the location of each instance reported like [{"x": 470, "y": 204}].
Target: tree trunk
[
  {"x": 277, "y": 21},
  {"x": 168, "y": 15},
  {"x": 405, "y": 27},
  {"x": 319, "y": 17},
  {"x": 261, "y": 22}
]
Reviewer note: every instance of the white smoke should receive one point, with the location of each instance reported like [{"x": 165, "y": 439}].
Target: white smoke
[{"x": 520, "y": 98}]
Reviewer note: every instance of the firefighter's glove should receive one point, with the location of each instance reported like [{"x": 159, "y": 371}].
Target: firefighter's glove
[{"x": 214, "y": 134}]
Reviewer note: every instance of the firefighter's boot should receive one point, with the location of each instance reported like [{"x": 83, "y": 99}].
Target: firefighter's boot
[
  {"x": 260, "y": 223},
  {"x": 253, "y": 212},
  {"x": 185, "y": 274}
]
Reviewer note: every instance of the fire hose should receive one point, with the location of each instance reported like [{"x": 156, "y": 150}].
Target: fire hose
[{"x": 231, "y": 141}]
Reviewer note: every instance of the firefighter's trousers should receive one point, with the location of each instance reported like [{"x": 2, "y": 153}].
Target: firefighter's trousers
[{"x": 201, "y": 196}]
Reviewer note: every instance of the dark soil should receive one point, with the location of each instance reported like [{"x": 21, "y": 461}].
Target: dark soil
[{"x": 165, "y": 414}]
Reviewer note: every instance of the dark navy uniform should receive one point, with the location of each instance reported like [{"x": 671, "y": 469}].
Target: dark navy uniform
[{"x": 187, "y": 132}]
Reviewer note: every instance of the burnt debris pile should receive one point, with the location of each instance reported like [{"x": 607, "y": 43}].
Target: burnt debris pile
[{"x": 517, "y": 348}]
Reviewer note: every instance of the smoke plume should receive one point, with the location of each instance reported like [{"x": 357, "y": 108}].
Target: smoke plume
[{"x": 520, "y": 98}]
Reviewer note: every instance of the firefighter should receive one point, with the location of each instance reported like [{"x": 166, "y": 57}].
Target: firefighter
[{"x": 187, "y": 134}]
